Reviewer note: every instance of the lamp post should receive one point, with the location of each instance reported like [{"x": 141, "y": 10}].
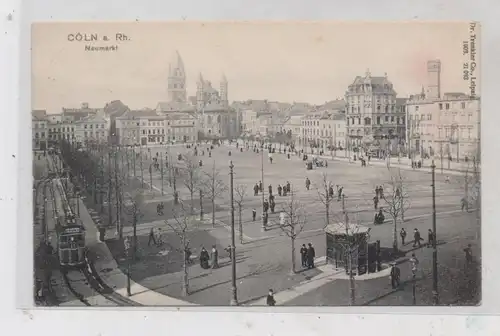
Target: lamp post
[
  {"x": 126, "y": 242},
  {"x": 264, "y": 227},
  {"x": 434, "y": 240},
  {"x": 234, "y": 297}
]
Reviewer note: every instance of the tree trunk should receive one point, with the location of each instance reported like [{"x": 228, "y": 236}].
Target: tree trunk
[
  {"x": 292, "y": 241},
  {"x": 185, "y": 281},
  {"x": 395, "y": 234},
  {"x": 213, "y": 211},
  {"x": 352, "y": 288},
  {"x": 240, "y": 224},
  {"x": 327, "y": 206}
]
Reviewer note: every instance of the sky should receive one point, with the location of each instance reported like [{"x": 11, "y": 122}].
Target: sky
[{"x": 309, "y": 62}]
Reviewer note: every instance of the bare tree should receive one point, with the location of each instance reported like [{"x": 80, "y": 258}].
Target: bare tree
[
  {"x": 132, "y": 207},
  {"x": 241, "y": 192},
  {"x": 351, "y": 237},
  {"x": 214, "y": 187},
  {"x": 323, "y": 188},
  {"x": 396, "y": 201},
  {"x": 183, "y": 224},
  {"x": 292, "y": 222},
  {"x": 192, "y": 179}
]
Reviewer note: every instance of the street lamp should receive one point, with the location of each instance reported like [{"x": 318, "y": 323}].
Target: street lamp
[
  {"x": 126, "y": 242},
  {"x": 434, "y": 239},
  {"x": 264, "y": 227},
  {"x": 234, "y": 297}
]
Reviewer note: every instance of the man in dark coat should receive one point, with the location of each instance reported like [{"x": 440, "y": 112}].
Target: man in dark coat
[
  {"x": 279, "y": 190},
  {"x": 416, "y": 238},
  {"x": 270, "y": 298},
  {"x": 260, "y": 186},
  {"x": 468, "y": 254},
  {"x": 395, "y": 276},
  {"x": 254, "y": 214},
  {"x": 402, "y": 233},
  {"x": 270, "y": 189},
  {"x": 430, "y": 238},
  {"x": 308, "y": 183},
  {"x": 303, "y": 255},
  {"x": 265, "y": 205},
  {"x": 288, "y": 188},
  {"x": 256, "y": 189},
  {"x": 330, "y": 191},
  {"x": 311, "y": 254},
  {"x": 204, "y": 258}
]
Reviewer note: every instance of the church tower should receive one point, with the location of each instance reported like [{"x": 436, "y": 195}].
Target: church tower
[
  {"x": 433, "y": 79},
  {"x": 223, "y": 91},
  {"x": 200, "y": 92},
  {"x": 176, "y": 79}
]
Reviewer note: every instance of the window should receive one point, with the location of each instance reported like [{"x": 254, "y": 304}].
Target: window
[
  {"x": 440, "y": 106},
  {"x": 392, "y": 119},
  {"x": 470, "y": 116},
  {"x": 429, "y": 116},
  {"x": 447, "y": 106},
  {"x": 85, "y": 126},
  {"x": 469, "y": 133},
  {"x": 416, "y": 108},
  {"x": 463, "y": 106},
  {"x": 386, "y": 119}
]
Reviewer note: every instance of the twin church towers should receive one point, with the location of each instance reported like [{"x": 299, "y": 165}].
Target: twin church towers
[{"x": 206, "y": 95}]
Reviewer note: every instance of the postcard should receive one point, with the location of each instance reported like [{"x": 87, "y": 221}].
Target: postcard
[{"x": 256, "y": 164}]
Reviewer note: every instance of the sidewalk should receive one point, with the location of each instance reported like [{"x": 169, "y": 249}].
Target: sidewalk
[{"x": 108, "y": 269}]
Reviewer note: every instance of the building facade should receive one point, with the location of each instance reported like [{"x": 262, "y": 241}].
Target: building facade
[
  {"x": 447, "y": 127},
  {"x": 150, "y": 128},
  {"x": 39, "y": 129},
  {"x": 324, "y": 129},
  {"x": 373, "y": 113}
]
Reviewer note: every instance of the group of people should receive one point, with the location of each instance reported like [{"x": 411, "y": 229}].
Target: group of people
[
  {"x": 417, "y": 237},
  {"x": 307, "y": 255},
  {"x": 209, "y": 260}
]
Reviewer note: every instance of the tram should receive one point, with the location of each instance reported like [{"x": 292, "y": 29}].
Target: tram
[{"x": 71, "y": 246}]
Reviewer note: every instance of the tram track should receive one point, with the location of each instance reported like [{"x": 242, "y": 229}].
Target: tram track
[{"x": 89, "y": 275}]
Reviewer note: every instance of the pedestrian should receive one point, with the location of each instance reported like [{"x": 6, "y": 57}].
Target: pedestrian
[
  {"x": 468, "y": 254},
  {"x": 311, "y": 254},
  {"x": 375, "y": 202},
  {"x": 265, "y": 217},
  {"x": 256, "y": 189},
  {"x": 260, "y": 186},
  {"x": 188, "y": 255},
  {"x": 279, "y": 190},
  {"x": 330, "y": 191},
  {"x": 341, "y": 189},
  {"x": 430, "y": 238},
  {"x": 204, "y": 258},
  {"x": 288, "y": 188},
  {"x": 303, "y": 255},
  {"x": 270, "y": 298},
  {"x": 270, "y": 189},
  {"x": 151, "y": 237},
  {"x": 402, "y": 233},
  {"x": 159, "y": 241},
  {"x": 254, "y": 214},
  {"x": 416, "y": 238},
  {"x": 265, "y": 205},
  {"x": 465, "y": 204},
  {"x": 229, "y": 252},
  {"x": 395, "y": 276},
  {"x": 381, "y": 192},
  {"x": 447, "y": 179},
  {"x": 214, "y": 255},
  {"x": 308, "y": 183}
]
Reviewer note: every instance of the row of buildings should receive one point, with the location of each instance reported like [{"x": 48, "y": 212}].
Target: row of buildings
[{"x": 370, "y": 116}]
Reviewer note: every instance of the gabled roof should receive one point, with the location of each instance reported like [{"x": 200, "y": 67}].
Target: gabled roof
[
  {"x": 166, "y": 107},
  {"x": 115, "y": 108},
  {"x": 133, "y": 114},
  {"x": 213, "y": 106},
  {"x": 38, "y": 114}
]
